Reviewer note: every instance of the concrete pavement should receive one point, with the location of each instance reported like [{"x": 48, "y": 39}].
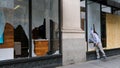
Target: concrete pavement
[{"x": 111, "y": 62}]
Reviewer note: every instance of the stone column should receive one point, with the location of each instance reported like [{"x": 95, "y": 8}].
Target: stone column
[{"x": 73, "y": 38}]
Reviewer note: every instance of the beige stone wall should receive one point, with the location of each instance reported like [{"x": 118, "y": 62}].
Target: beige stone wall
[
  {"x": 73, "y": 38},
  {"x": 71, "y": 14}
]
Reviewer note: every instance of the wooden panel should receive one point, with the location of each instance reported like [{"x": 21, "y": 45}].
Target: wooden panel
[
  {"x": 41, "y": 47},
  {"x": 8, "y": 37},
  {"x": 113, "y": 31}
]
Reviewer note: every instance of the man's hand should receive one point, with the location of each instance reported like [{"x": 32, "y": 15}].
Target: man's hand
[{"x": 96, "y": 44}]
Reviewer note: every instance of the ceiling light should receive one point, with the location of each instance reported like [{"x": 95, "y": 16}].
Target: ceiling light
[{"x": 17, "y": 7}]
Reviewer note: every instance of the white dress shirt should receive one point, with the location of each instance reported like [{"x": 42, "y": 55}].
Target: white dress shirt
[{"x": 95, "y": 37}]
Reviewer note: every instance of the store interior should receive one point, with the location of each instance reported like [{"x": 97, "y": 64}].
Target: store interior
[{"x": 15, "y": 28}]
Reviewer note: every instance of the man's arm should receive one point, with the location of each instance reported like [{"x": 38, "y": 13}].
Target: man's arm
[{"x": 93, "y": 27}]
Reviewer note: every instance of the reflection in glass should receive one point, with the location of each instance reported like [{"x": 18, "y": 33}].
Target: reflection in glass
[
  {"x": 14, "y": 20},
  {"x": 45, "y": 32}
]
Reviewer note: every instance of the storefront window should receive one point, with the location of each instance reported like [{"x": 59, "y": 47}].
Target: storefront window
[
  {"x": 14, "y": 26},
  {"x": 106, "y": 21},
  {"x": 21, "y": 31},
  {"x": 45, "y": 27},
  {"x": 93, "y": 17}
]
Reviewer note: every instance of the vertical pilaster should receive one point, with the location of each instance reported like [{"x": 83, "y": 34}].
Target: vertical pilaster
[{"x": 73, "y": 38}]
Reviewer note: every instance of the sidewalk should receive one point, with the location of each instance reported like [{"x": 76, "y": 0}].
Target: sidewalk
[{"x": 111, "y": 62}]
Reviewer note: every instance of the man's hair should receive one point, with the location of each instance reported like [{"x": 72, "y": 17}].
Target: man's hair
[{"x": 94, "y": 29}]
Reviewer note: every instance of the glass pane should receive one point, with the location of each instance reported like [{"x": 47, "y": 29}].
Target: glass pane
[
  {"x": 93, "y": 17},
  {"x": 45, "y": 27},
  {"x": 21, "y": 31},
  {"x": 14, "y": 29},
  {"x": 106, "y": 9}
]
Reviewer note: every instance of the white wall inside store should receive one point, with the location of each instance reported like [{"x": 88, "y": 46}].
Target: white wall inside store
[{"x": 6, "y": 53}]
